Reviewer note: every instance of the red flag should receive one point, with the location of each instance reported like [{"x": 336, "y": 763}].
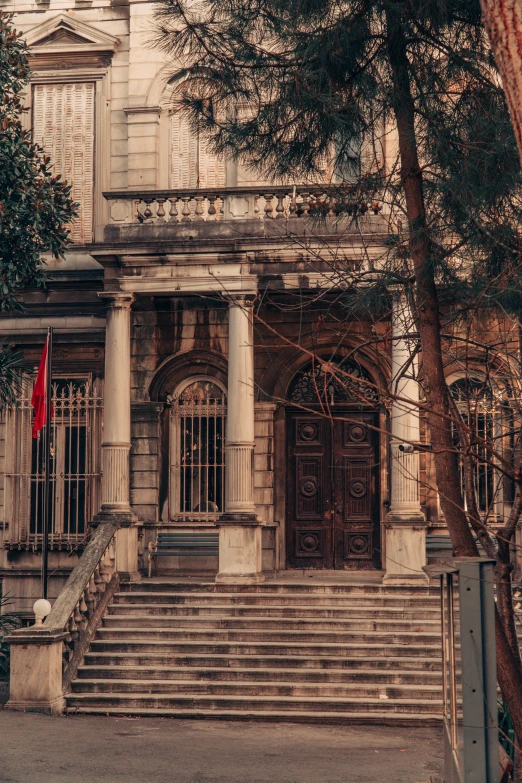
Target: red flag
[{"x": 39, "y": 393}]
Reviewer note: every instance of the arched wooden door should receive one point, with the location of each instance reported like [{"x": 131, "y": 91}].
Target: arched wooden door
[{"x": 332, "y": 505}]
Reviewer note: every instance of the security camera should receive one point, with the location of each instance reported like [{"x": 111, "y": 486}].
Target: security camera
[{"x": 410, "y": 448}]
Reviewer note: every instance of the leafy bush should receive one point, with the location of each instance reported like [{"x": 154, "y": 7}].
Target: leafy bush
[{"x": 8, "y": 621}]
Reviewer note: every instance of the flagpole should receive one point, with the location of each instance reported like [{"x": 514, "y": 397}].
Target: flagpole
[{"x": 47, "y": 462}]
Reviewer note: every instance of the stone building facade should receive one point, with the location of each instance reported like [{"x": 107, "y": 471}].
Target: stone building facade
[{"x": 186, "y": 319}]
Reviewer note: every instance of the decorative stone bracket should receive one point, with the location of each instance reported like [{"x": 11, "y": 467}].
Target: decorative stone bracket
[{"x": 45, "y": 658}]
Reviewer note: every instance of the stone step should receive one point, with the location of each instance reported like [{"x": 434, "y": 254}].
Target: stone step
[
  {"x": 260, "y": 674},
  {"x": 403, "y": 719},
  {"x": 360, "y": 649},
  {"x": 219, "y": 635},
  {"x": 293, "y": 587},
  {"x": 151, "y": 622},
  {"x": 301, "y": 663},
  {"x": 253, "y": 703},
  {"x": 277, "y": 599},
  {"x": 357, "y": 652},
  {"x": 264, "y": 610},
  {"x": 237, "y": 688}
]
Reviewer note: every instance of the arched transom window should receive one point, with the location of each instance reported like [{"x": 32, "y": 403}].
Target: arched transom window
[
  {"x": 333, "y": 382},
  {"x": 197, "y": 472}
]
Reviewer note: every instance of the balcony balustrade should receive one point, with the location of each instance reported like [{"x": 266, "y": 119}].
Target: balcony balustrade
[{"x": 218, "y": 204}]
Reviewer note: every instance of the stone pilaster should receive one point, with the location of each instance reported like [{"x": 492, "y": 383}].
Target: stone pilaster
[
  {"x": 405, "y": 524},
  {"x": 117, "y": 433},
  {"x": 240, "y": 531}
]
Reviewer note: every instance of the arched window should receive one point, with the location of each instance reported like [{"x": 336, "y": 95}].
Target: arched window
[
  {"x": 197, "y": 472},
  {"x": 486, "y": 411}
]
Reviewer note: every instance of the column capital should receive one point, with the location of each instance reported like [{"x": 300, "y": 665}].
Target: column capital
[
  {"x": 241, "y": 299},
  {"x": 117, "y": 300}
]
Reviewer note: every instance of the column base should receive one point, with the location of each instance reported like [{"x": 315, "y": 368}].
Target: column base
[
  {"x": 240, "y": 560},
  {"x": 415, "y": 580},
  {"x": 126, "y": 542},
  {"x": 405, "y": 549},
  {"x": 55, "y": 707},
  {"x": 119, "y": 517},
  {"x": 239, "y": 579}
]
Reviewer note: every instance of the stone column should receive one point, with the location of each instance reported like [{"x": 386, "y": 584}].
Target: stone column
[
  {"x": 240, "y": 531},
  {"x": 117, "y": 434},
  {"x": 405, "y": 524}
]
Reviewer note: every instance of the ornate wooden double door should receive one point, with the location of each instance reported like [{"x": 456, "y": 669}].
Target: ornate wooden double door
[{"x": 332, "y": 491}]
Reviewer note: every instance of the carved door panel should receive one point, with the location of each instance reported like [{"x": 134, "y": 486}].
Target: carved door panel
[
  {"x": 332, "y": 502},
  {"x": 355, "y": 515},
  {"x": 309, "y": 528}
]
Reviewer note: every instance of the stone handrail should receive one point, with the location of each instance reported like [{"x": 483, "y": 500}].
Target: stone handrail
[
  {"x": 45, "y": 658},
  {"x": 207, "y": 204},
  {"x": 87, "y": 581}
]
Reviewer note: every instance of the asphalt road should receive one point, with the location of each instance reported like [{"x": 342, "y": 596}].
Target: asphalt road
[{"x": 79, "y": 749}]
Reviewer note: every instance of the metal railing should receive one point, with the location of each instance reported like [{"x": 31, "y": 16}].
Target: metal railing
[{"x": 471, "y": 746}]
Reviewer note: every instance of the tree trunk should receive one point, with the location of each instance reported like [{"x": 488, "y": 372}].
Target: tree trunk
[
  {"x": 427, "y": 306},
  {"x": 503, "y": 21},
  {"x": 428, "y": 325}
]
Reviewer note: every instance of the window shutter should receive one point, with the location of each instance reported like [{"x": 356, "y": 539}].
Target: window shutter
[
  {"x": 192, "y": 165},
  {"x": 63, "y": 124},
  {"x": 184, "y": 153},
  {"x": 211, "y": 167}
]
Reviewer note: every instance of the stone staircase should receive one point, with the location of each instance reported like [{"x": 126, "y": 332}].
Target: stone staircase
[{"x": 337, "y": 653}]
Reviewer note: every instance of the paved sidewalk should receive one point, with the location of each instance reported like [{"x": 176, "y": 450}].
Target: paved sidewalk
[{"x": 77, "y": 749}]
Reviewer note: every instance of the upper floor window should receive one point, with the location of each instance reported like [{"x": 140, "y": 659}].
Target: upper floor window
[
  {"x": 197, "y": 438},
  {"x": 193, "y": 165},
  {"x": 63, "y": 125}
]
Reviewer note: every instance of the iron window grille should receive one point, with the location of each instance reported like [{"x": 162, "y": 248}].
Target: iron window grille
[
  {"x": 197, "y": 473},
  {"x": 75, "y": 466},
  {"x": 486, "y": 411}
]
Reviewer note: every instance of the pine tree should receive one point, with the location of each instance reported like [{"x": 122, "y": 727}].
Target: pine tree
[{"x": 282, "y": 84}]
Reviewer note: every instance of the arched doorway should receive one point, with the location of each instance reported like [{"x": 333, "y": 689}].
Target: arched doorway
[
  {"x": 197, "y": 451},
  {"x": 332, "y": 504}
]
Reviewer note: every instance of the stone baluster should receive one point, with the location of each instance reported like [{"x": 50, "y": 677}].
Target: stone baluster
[
  {"x": 268, "y": 205},
  {"x": 212, "y": 207},
  {"x": 199, "y": 207},
  {"x": 405, "y": 524},
  {"x": 280, "y": 208},
  {"x": 185, "y": 211},
  {"x": 147, "y": 215},
  {"x": 173, "y": 216},
  {"x": 240, "y": 531},
  {"x": 160, "y": 212}
]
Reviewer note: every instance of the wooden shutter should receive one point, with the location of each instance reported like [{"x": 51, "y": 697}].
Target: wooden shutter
[
  {"x": 192, "y": 164},
  {"x": 63, "y": 124},
  {"x": 211, "y": 167}
]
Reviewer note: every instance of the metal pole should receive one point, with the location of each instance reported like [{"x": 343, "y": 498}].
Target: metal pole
[
  {"x": 452, "y": 664},
  {"x": 47, "y": 462},
  {"x": 479, "y": 671},
  {"x": 443, "y": 636}
]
